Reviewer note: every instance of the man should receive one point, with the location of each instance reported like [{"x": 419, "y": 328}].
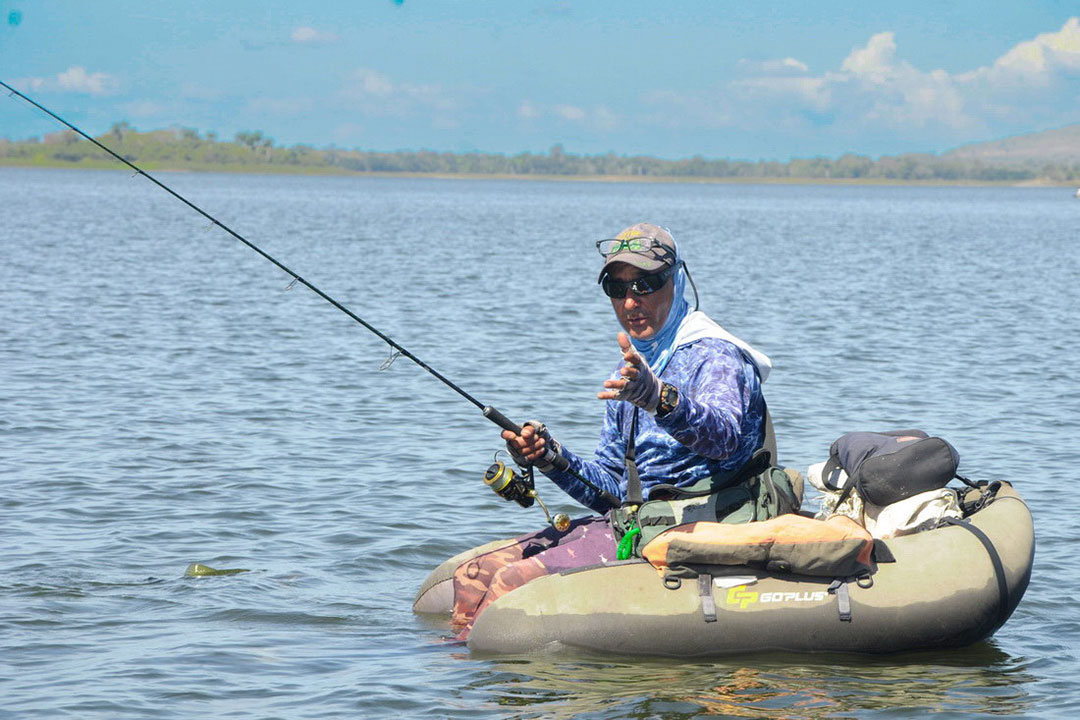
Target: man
[{"x": 687, "y": 394}]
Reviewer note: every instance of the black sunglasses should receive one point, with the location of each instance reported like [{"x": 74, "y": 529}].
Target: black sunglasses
[{"x": 644, "y": 285}]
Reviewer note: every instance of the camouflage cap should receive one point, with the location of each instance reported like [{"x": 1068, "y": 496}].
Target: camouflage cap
[{"x": 661, "y": 254}]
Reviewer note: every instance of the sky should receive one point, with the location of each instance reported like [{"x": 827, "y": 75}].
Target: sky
[{"x": 672, "y": 78}]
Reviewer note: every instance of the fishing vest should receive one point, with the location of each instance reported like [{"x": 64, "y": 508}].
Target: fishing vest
[{"x": 759, "y": 490}]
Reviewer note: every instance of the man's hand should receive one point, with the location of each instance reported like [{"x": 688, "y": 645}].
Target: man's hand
[
  {"x": 530, "y": 447},
  {"x": 638, "y": 384}
]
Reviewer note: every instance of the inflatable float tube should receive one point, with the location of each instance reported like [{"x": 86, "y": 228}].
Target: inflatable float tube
[{"x": 948, "y": 587}]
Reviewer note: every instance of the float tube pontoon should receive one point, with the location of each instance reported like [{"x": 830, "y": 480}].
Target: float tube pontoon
[{"x": 948, "y": 587}]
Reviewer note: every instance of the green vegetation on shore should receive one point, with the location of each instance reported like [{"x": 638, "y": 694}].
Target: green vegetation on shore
[{"x": 186, "y": 149}]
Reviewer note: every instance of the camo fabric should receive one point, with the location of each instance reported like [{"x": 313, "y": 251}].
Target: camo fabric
[
  {"x": 483, "y": 579},
  {"x": 716, "y": 427}
]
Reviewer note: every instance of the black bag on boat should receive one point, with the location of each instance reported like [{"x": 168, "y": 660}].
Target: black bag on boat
[{"x": 887, "y": 467}]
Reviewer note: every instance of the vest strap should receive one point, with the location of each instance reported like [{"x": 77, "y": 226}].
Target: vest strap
[{"x": 633, "y": 480}]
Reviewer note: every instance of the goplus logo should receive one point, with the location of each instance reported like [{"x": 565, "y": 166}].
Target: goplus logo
[{"x": 742, "y": 597}]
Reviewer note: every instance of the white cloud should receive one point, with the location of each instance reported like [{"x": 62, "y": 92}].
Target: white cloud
[
  {"x": 785, "y": 65},
  {"x": 375, "y": 94},
  {"x": 914, "y": 98},
  {"x": 76, "y": 79},
  {"x": 1046, "y": 53},
  {"x": 369, "y": 82},
  {"x": 31, "y": 84},
  {"x": 433, "y": 96},
  {"x": 814, "y": 92},
  {"x": 598, "y": 117},
  {"x": 305, "y": 35},
  {"x": 73, "y": 80},
  {"x": 874, "y": 86},
  {"x": 873, "y": 62},
  {"x": 570, "y": 112},
  {"x": 793, "y": 64},
  {"x": 1035, "y": 62}
]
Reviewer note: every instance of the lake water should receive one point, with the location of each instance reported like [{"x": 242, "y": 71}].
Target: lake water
[{"x": 165, "y": 400}]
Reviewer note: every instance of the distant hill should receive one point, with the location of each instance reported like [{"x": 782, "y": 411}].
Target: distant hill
[{"x": 1051, "y": 146}]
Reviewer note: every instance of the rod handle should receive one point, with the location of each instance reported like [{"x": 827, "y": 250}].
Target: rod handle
[
  {"x": 550, "y": 456},
  {"x": 501, "y": 420},
  {"x": 555, "y": 459}
]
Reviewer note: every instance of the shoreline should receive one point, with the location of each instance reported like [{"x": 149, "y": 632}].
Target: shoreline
[{"x": 260, "y": 169}]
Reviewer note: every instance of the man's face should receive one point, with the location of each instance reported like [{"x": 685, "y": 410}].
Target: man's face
[{"x": 641, "y": 316}]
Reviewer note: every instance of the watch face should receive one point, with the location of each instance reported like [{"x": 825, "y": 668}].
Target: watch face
[{"x": 669, "y": 398}]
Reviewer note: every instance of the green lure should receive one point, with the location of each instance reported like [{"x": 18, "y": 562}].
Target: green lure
[
  {"x": 200, "y": 570},
  {"x": 626, "y": 545}
]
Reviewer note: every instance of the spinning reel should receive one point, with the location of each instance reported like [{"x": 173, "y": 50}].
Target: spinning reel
[{"x": 520, "y": 487}]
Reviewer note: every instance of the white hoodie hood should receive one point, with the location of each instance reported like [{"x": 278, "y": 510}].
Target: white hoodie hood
[{"x": 698, "y": 326}]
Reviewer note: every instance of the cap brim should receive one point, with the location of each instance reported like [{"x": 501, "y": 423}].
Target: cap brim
[{"x": 631, "y": 258}]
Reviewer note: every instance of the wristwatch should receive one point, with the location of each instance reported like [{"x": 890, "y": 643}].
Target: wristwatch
[{"x": 669, "y": 399}]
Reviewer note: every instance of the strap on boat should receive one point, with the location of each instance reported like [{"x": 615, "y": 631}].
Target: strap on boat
[
  {"x": 839, "y": 588},
  {"x": 987, "y": 494},
  {"x": 708, "y": 603},
  {"x": 995, "y": 560},
  {"x": 966, "y": 481}
]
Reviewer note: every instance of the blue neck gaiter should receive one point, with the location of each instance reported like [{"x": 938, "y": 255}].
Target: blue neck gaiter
[{"x": 657, "y": 349}]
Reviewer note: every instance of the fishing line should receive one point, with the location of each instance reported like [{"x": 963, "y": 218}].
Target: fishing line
[
  {"x": 489, "y": 412},
  {"x": 296, "y": 278}
]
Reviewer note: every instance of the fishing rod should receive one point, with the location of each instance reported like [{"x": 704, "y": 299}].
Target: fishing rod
[{"x": 502, "y": 482}]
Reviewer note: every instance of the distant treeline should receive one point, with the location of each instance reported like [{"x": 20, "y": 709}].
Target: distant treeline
[{"x": 184, "y": 148}]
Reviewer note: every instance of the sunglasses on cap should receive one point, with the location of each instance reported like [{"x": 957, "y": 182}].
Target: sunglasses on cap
[{"x": 644, "y": 285}]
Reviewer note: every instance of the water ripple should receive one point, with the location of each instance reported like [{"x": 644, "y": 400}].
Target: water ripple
[{"x": 183, "y": 408}]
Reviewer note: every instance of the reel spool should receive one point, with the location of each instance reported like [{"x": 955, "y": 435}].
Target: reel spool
[
  {"x": 509, "y": 485},
  {"x": 521, "y": 489}
]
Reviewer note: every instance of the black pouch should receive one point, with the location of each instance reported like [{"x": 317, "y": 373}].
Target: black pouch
[{"x": 887, "y": 467}]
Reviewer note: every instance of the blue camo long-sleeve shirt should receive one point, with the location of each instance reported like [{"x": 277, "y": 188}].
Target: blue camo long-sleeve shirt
[{"x": 716, "y": 427}]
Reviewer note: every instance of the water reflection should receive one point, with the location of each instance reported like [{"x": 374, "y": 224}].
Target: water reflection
[{"x": 977, "y": 680}]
